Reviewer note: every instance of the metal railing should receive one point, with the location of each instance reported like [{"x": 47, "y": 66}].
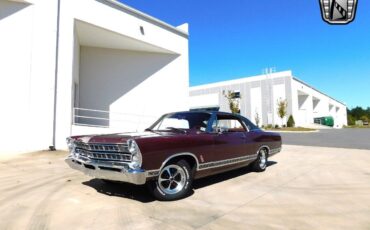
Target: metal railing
[{"x": 107, "y": 119}]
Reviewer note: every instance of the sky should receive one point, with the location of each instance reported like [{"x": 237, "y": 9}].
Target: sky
[{"x": 240, "y": 38}]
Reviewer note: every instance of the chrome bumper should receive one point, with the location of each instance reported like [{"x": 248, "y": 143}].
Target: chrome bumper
[{"x": 107, "y": 171}]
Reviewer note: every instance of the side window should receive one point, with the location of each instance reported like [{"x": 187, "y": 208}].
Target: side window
[
  {"x": 249, "y": 124},
  {"x": 227, "y": 124}
]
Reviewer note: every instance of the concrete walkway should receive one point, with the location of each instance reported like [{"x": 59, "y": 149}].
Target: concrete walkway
[{"x": 303, "y": 188}]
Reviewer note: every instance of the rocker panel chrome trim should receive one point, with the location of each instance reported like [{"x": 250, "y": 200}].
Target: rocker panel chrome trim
[{"x": 231, "y": 161}]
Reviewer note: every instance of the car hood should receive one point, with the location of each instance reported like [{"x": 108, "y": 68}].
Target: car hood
[{"x": 120, "y": 137}]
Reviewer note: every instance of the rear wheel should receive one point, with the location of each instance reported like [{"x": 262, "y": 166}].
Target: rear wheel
[
  {"x": 261, "y": 163},
  {"x": 174, "y": 181}
]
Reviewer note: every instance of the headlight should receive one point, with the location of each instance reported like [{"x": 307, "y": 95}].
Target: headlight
[
  {"x": 71, "y": 144},
  {"x": 133, "y": 148}
]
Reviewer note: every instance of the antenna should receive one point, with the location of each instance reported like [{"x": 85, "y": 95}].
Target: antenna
[
  {"x": 268, "y": 70},
  {"x": 269, "y": 96}
]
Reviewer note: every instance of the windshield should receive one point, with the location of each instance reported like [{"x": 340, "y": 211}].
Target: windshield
[{"x": 182, "y": 121}]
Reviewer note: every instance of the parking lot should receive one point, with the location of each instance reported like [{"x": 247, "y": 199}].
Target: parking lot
[
  {"x": 339, "y": 138},
  {"x": 303, "y": 188}
]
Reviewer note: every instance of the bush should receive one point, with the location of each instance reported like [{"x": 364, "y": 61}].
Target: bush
[
  {"x": 269, "y": 126},
  {"x": 276, "y": 126},
  {"x": 291, "y": 122}
]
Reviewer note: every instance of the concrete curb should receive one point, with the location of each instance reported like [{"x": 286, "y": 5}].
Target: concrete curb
[{"x": 277, "y": 131}]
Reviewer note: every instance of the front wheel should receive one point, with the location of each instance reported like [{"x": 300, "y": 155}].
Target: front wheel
[
  {"x": 174, "y": 182},
  {"x": 261, "y": 163}
]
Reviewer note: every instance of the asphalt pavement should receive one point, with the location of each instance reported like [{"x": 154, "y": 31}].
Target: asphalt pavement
[{"x": 337, "y": 138}]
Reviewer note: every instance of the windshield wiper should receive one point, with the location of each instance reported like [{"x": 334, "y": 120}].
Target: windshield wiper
[{"x": 176, "y": 129}]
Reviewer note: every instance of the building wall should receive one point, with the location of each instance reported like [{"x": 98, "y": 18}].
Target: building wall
[
  {"x": 259, "y": 94},
  {"x": 175, "y": 72},
  {"x": 309, "y": 103},
  {"x": 28, "y": 62},
  {"x": 129, "y": 82}
]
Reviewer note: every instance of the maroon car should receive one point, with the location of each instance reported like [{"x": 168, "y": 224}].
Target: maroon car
[{"x": 175, "y": 150}]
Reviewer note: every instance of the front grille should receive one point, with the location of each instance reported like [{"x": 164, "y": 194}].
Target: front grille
[{"x": 105, "y": 152}]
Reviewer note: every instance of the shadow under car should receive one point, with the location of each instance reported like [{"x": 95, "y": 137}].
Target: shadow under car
[{"x": 141, "y": 193}]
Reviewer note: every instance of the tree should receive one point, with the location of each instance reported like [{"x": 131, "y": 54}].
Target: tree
[
  {"x": 364, "y": 118},
  {"x": 351, "y": 120},
  {"x": 282, "y": 109},
  {"x": 233, "y": 101},
  {"x": 257, "y": 119},
  {"x": 357, "y": 113},
  {"x": 291, "y": 122}
]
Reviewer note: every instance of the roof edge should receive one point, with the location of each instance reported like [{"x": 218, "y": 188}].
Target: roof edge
[
  {"x": 144, "y": 16},
  {"x": 311, "y": 87},
  {"x": 287, "y": 73}
]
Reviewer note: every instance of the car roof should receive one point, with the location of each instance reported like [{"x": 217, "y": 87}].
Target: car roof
[{"x": 207, "y": 112}]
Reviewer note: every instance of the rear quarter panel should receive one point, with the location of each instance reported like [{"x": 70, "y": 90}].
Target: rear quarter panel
[{"x": 270, "y": 139}]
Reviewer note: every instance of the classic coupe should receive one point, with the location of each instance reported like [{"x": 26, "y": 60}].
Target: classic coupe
[{"x": 175, "y": 150}]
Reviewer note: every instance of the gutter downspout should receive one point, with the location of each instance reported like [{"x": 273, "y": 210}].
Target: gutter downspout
[{"x": 52, "y": 147}]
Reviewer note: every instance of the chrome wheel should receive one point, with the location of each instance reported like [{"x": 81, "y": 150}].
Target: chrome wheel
[
  {"x": 172, "y": 179},
  {"x": 262, "y": 159}
]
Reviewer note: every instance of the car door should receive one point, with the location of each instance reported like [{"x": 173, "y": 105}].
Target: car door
[{"x": 230, "y": 138}]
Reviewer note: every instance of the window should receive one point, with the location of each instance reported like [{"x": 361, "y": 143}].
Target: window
[
  {"x": 174, "y": 122},
  {"x": 183, "y": 121},
  {"x": 235, "y": 95},
  {"x": 227, "y": 124},
  {"x": 249, "y": 124}
]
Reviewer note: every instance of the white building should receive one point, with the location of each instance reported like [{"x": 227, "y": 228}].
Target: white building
[
  {"x": 260, "y": 95},
  {"x": 85, "y": 66}
]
